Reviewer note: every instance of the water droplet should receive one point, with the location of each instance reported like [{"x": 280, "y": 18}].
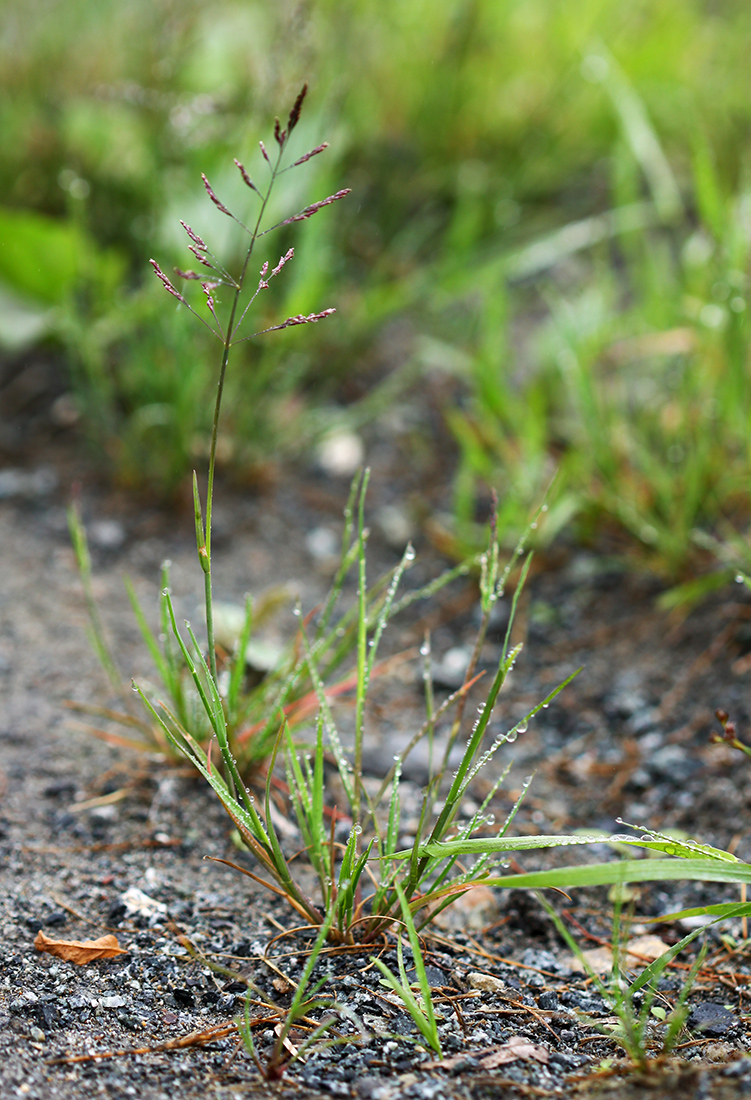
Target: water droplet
[
  {"x": 490, "y": 819},
  {"x": 522, "y": 726},
  {"x": 424, "y": 650},
  {"x": 397, "y": 758},
  {"x": 357, "y": 830},
  {"x": 247, "y": 790},
  {"x": 511, "y": 736},
  {"x": 409, "y": 553},
  {"x": 544, "y": 508},
  {"x": 545, "y": 706},
  {"x": 739, "y": 578},
  {"x": 533, "y": 525}
]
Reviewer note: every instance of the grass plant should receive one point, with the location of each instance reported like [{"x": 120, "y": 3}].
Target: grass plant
[
  {"x": 419, "y": 1004},
  {"x": 204, "y": 710},
  {"x": 634, "y": 1001},
  {"x": 305, "y": 999},
  {"x": 366, "y": 881},
  {"x": 371, "y": 881}
]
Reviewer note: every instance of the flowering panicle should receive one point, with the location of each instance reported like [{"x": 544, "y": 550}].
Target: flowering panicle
[
  {"x": 282, "y": 261},
  {"x": 309, "y": 211},
  {"x": 313, "y": 153},
  {"x": 198, "y": 247},
  {"x": 207, "y": 288},
  {"x": 264, "y": 283},
  {"x": 246, "y": 178},
  {"x": 219, "y": 205},
  {"x": 294, "y": 115},
  {"x": 200, "y": 244},
  {"x": 301, "y": 319},
  {"x": 167, "y": 284},
  {"x": 201, "y": 259}
]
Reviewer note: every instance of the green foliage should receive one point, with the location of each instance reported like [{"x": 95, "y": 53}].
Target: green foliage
[
  {"x": 572, "y": 170},
  {"x": 420, "y": 1006},
  {"x": 634, "y": 1002}
]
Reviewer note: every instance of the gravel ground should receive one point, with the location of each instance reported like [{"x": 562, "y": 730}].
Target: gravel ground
[{"x": 84, "y": 827}]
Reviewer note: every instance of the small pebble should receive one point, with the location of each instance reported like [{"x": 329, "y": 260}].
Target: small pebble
[
  {"x": 106, "y": 534},
  {"x": 341, "y": 453}
]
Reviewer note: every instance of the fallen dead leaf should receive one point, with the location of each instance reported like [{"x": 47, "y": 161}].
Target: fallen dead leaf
[
  {"x": 516, "y": 1048},
  {"x": 79, "y": 952}
]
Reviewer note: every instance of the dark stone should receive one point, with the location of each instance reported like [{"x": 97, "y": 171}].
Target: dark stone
[
  {"x": 568, "y": 1061},
  {"x": 48, "y": 1016},
  {"x": 56, "y": 919},
  {"x": 741, "y": 1068},
  {"x": 711, "y": 1019},
  {"x": 235, "y": 987},
  {"x": 64, "y": 788},
  {"x": 117, "y": 911},
  {"x": 548, "y": 1000},
  {"x": 436, "y": 978},
  {"x": 132, "y": 1023},
  {"x": 184, "y": 998}
]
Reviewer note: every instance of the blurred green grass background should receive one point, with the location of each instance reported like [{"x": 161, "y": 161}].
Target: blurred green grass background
[{"x": 551, "y": 199}]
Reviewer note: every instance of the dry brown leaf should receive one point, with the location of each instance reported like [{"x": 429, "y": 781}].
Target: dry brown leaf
[
  {"x": 80, "y": 953},
  {"x": 516, "y": 1048},
  {"x": 512, "y": 1051}
]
